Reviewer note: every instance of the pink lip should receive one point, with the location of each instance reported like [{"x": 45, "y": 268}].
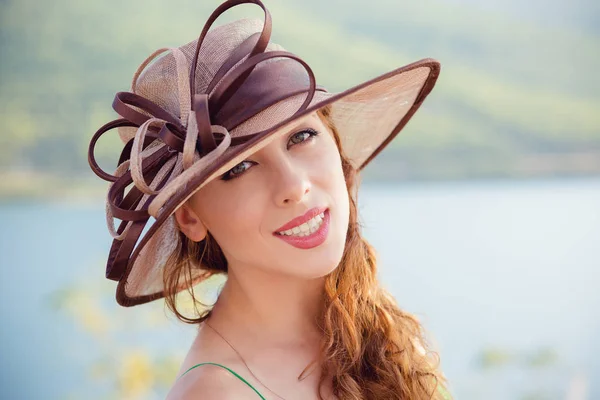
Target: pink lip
[
  {"x": 308, "y": 242},
  {"x": 310, "y": 214}
]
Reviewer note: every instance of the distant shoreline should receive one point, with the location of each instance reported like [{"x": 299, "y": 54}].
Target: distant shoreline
[{"x": 38, "y": 186}]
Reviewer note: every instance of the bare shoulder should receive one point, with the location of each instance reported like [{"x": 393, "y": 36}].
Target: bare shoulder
[{"x": 208, "y": 382}]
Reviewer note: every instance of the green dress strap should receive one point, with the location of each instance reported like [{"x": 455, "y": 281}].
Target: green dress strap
[{"x": 228, "y": 369}]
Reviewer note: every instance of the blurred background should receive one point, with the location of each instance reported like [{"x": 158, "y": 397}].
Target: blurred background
[{"x": 485, "y": 212}]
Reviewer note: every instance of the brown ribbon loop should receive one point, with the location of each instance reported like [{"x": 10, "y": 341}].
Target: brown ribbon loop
[
  {"x": 91, "y": 156},
  {"x": 259, "y": 47},
  {"x": 172, "y": 137},
  {"x": 126, "y": 153},
  {"x": 124, "y": 100},
  {"x": 121, "y": 250},
  {"x": 263, "y": 88},
  {"x": 202, "y": 116},
  {"x": 236, "y": 56},
  {"x": 134, "y": 217},
  {"x": 122, "y": 209}
]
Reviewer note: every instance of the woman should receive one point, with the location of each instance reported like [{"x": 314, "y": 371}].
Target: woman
[{"x": 250, "y": 170}]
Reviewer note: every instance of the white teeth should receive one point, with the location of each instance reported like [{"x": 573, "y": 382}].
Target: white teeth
[{"x": 307, "y": 228}]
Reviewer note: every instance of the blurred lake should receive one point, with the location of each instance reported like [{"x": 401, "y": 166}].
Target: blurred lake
[{"x": 504, "y": 276}]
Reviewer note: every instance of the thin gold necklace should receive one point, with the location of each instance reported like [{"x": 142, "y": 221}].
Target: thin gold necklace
[{"x": 244, "y": 361}]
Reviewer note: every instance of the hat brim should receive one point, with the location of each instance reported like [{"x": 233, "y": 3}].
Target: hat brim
[{"x": 367, "y": 116}]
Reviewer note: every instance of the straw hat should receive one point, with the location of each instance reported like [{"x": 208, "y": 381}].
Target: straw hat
[{"x": 202, "y": 108}]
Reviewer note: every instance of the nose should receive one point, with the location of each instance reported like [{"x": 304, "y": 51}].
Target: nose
[{"x": 291, "y": 183}]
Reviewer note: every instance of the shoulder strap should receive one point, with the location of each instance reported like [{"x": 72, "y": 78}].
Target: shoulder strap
[{"x": 230, "y": 371}]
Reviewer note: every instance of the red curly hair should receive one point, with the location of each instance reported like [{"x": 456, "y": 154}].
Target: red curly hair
[{"x": 370, "y": 347}]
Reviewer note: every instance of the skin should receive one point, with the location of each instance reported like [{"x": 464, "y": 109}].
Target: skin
[{"x": 268, "y": 307}]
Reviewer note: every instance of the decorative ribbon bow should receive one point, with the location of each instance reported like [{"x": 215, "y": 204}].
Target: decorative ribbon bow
[{"x": 167, "y": 150}]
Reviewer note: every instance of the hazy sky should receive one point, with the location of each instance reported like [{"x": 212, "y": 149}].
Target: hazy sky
[{"x": 575, "y": 14}]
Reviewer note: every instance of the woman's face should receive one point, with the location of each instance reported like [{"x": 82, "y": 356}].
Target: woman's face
[{"x": 248, "y": 208}]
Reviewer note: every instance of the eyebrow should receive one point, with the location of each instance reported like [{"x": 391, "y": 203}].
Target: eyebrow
[{"x": 304, "y": 122}]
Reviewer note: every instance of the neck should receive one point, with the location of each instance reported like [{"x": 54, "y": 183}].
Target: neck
[{"x": 279, "y": 309}]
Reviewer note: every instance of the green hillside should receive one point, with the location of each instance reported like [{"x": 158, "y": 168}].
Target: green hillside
[{"x": 514, "y": 98}]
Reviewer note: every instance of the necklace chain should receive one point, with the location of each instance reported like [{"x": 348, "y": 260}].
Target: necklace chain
[{"x": 242, "y": 358}]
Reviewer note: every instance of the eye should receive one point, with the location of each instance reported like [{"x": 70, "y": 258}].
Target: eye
[
  {"x": 237, "y": 170},
  {"x": 295, "y": 139},
  {"x": 303, "y": 136}
]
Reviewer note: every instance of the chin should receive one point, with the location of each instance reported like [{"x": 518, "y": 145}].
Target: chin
[{"x": 318, "y": 267}]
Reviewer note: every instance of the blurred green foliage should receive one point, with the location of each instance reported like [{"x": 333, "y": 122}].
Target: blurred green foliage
[
  {"x": 515, "y": 98},
  {"x": 494, "y": 357},
  {"x": 124, "y": 368},
  {"x": 121, "y": 371}
]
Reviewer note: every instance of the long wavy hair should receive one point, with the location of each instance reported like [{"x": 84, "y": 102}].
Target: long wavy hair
[{"x": 370, "y": 347}]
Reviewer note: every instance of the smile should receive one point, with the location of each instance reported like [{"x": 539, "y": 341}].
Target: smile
[
  {"x": 309, "y": 234},
  {"x": 307, "y": 228}
]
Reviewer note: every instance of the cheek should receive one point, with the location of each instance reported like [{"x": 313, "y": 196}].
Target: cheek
[
  {"x": 329, "y": 172},
  {"x": 330, "y": 177},
  {"x": 234, "y": 223}
]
